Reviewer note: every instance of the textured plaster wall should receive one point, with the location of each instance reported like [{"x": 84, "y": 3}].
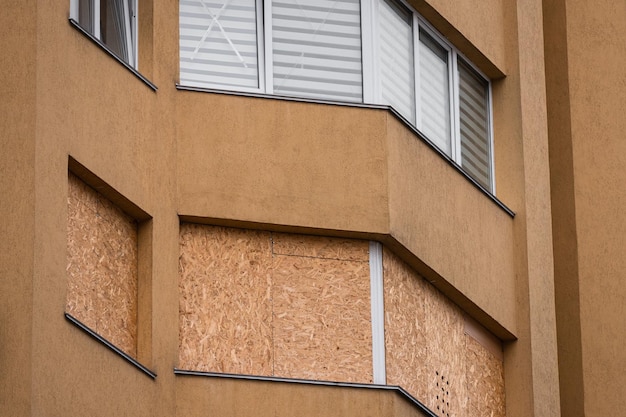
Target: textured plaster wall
[
  {"x": 587, "y": 161},
  {"x": 91, "y": 108},
  {"x": 17, "y": 202}
]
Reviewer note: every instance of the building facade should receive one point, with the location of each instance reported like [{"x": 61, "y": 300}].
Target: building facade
[{"x": 270, "y": 208}]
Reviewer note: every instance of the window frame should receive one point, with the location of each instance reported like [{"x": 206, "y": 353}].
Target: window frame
[
  {"x": 490, "y": 136},
  {"x": 132, "y": 44},
  {"x": 451, "y": 66},
  {"x": 372, "y": 92}
]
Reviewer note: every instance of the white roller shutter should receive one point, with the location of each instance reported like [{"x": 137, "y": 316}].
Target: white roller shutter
[
  {"x": 474, "y": 125},
  {"x": 397, "y": 78},
  {"x": 316, "y": 49},
  {"x": 434, "y": 92},
  {"x": 218, "y": 43}
]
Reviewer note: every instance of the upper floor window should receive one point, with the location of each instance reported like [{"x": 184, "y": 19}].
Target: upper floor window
[
  {"x": 366, "y": 51},
  {"x": 309, "y": 48},
  {"x": 113, "y": 22}
]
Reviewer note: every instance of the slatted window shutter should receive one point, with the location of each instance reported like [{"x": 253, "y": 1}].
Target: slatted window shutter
[
  {"x": 316, "y": 49},
  {"x": 434, "y": 92},
  {"x": 218, "y": 43},
  {"x": 474, "y": 125},
  {"x": 397, "y": 77}
]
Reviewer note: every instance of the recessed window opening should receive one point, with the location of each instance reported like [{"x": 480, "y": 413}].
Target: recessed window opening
[
  {"x": 363, "y": 51},
  {"x": 113, "y": 22}
]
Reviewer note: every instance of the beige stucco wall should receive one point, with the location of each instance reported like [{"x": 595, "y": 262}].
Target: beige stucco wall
[
  {"x": 272, "y": 161},
  {"x": 17, "y": 205},
  {"x": 587, "y": 159}
]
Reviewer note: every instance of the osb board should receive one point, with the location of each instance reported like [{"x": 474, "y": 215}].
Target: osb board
[
  {"x": 102, "y": 266},
  {"x": 320, "y": 247},
  {"x": 485, "y": 381},
  {"x": 244, "y": 308},
  {"x": 445, "y": 329},
  {"x": 427, "y": 350},
  {"x": 322, "y": 327},
  {"x": 405, "y": 327},
  {"x": 225, "y": 305}
]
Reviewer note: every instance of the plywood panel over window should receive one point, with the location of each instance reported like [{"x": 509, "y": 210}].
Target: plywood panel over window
[
  {"x": 102, "y": 266},
  {"x": 485, "y": 381},
  {"x": 321, "y": 308},
  {"x": 274, "y": 304},
  {"x": 225, "y": 306},
  {"x": 431, "y": 354}
]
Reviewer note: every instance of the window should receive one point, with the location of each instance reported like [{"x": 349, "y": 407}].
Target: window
[
  {"x": 395, "y": 51},
  {"x": 102, "y": 266},
  {"x": 365, "y": 51},
  {"x": 316, "y": 49},
  {"x": 434, "y": 91},
  {"x": 312, "y": 48},
  {"x": 113, "y": 22},
  {"x": 219, "y": 44},
  {"x": 474, "y": 124}
]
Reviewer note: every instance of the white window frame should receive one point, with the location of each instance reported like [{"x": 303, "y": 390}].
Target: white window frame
[
  {"x": 371, "y": 86},
  {"x": 422, "y": 25},
  {"x": 490, "y": 138},
  {"x": 131, "y": 32},
  {"x": 265, "y": 56},
  {"x": 261, "y": 47},
  {"x": 268, "y": 63}
]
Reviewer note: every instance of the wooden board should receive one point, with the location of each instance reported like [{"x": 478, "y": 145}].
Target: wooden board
[
  {"x": 254, "y": 302},
  {"x": 320, "y": 247},
  {"x": 428, "y": 351},
  {"x": 262, "y": 303},
  {"x": 321, "y": 322},
  {"x": 225, "y": 306},
  {"x": 445, "y": 326},
  {"x": 405, "y": 327},
  {"x": 485, "y": 381},
  {"x": 102, "y": 266}
]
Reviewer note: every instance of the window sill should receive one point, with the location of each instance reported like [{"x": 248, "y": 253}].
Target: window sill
[
  {"x": 98, "y": 42},
  {"x": 110, "y": 345},
  {"x": 417, "y": 133},
  {"x": 399, "y": 390}
]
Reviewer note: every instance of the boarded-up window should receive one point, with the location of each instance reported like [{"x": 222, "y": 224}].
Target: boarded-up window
[
  {"x": 274, "y": 304},
  {"x": 430, "y": 351},
  {"x": 102, "y": 266}
]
